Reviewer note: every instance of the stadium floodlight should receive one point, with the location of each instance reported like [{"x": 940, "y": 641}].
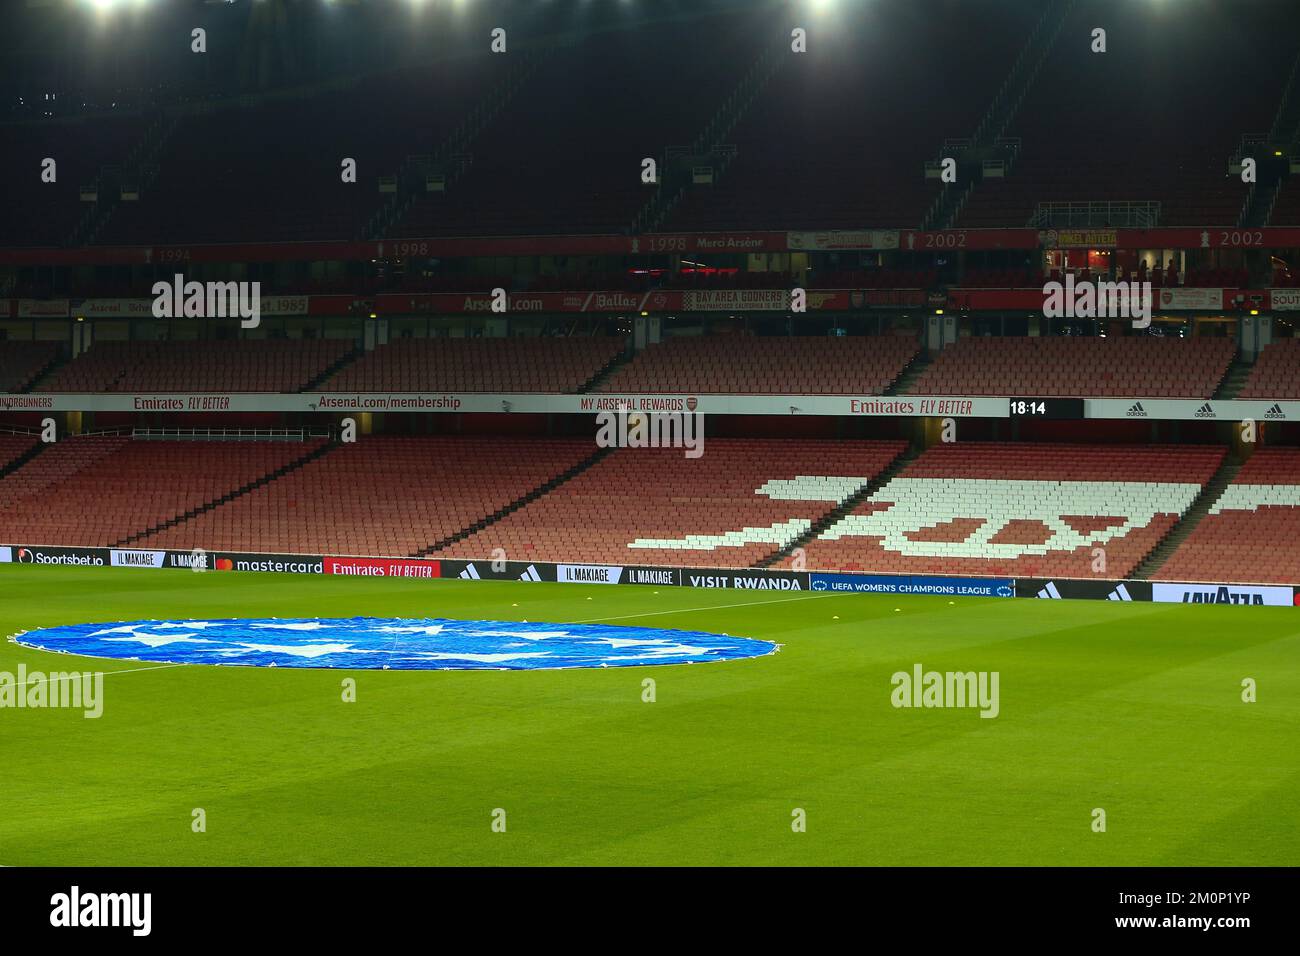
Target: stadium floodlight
[{"x": 106, "y": 6}]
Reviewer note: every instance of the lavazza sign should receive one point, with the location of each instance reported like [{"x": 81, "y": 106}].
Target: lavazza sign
[{"x": 1223, "y": 594}]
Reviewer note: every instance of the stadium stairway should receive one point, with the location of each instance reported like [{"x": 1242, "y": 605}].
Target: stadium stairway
[
  {"x": 453, "y": 155},
  {"x": 993, "y": 125},
  {"x": 140, "y": 168},
  {"x": 229, "y": 496},
  {"x": 1260, "y": 200},
  {"x": 1262, "y": 197},
  {"x": 914, "y": 370},
  {"x": 948, "y": 204},
  {"x": 9, "y": 467},
  {"x": 1234, "y": 381},
  {"x": 1087, "y": 367},
  {"x": 602, "y": 376},
  {"x": 1287, "y": 118},
  {"x": 1250, "y": 532},
  {"x": 846, "y": 507},
  {"x": 1276, "y": 372},
  {"x": 329, "y": 372},
  {"x": 1167, "y": 545},
  {"x": 544, "y": 488},
  {"x": 24, "y": 363},
  {"x": 734, "y": 108},
  {"x": 45, "y": 374},
  {"x": 1023, "y": 73},
  {"x": 47, "y": 369}
]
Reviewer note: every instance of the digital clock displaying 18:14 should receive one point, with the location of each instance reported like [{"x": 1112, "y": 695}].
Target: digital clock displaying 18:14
[{"x": 1046, "y": 408}]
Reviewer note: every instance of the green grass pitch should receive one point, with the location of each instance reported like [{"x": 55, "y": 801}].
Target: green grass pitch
[{"x": 1132, "y": 708}]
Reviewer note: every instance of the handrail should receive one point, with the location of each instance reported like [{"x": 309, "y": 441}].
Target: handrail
[
  {"x": 218, "y": 434},
  {"x": 1098, "y": 213}
]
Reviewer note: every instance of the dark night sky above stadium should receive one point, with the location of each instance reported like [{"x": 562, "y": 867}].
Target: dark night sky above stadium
[{"x": 104, "y": 51}]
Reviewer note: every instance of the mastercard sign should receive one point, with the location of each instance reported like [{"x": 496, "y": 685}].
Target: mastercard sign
[{"x": 281, "y": 563}]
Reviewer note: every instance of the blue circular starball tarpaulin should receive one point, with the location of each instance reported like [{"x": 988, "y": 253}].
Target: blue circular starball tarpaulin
[{"x": 395, "y": 643}]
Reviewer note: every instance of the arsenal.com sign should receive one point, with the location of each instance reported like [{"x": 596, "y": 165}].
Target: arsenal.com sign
[{"x": 1209, "y": 299}]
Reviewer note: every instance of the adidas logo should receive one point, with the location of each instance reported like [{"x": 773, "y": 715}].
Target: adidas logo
[
  {"x": 1050, "y": 592},
  {"x": 1119, "y": 594},
  {"x": 1275, "y": 412},
  {"x": 1136, "y": 411},
  {"x": 1206, "y": 411},
  {"x": 530, "y": 574},
  {"x": 470, "y": 574}
]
